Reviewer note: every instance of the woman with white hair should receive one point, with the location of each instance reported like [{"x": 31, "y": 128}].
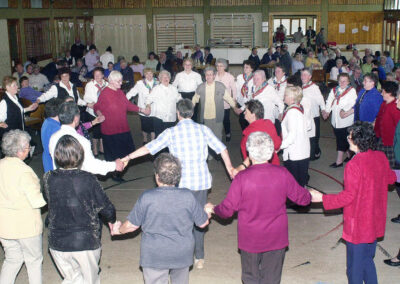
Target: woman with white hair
[
  {"x": 295, "y": 141},
  {"x": 229, "y": 81},
  {"x": 116, "y": 134},
  {"x": 338, "y": 69},
  {"x": 162, "y": 103},
  {"x": 261, "y": 207},
  {"x": 20, "y": 202}
]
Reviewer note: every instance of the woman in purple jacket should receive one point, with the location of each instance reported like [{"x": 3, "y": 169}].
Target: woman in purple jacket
[{"x": 261, "y": 207}]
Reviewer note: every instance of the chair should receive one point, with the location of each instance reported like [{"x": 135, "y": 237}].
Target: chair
[
  {"x": 318, "y": 75},
  {"x": 213, "y": 62},
  {"x": 81, "y": 91},
  {"x": 35, "y": 118},
  {"x": 137, "y": 76}
]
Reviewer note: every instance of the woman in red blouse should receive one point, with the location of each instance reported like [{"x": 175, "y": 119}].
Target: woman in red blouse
[
  {"x": 387, "y": 120},
  {"x": 364, "y": 202},
  {"x": 116, "y": 134}
]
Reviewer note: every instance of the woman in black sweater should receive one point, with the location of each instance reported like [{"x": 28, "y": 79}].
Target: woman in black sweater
[{"x": 76, "y": 201}]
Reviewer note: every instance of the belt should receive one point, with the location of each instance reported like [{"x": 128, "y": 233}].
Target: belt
[{"x": 187, "y": 93}]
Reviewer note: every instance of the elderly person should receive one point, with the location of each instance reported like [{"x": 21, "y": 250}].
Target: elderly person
[
  {"x": 37, "y": 80},
  {"x": 367, "y": 52},
  {"x": 301, "y": 49},
  {"x": 187, "y": 82},
  {"x": 267, "y": 95},
  {"x": 254, "y": 57},
  {"x": 11, "y": 111},
  {"x": 208, "y": 57},
  {"x": 167, "y": 243},
  {"x": 311, "y": 61},
  {"x": 20, "y": 198},
  {"x": 143, "y": 88},
  {"x": 338, "y": 69},
  {"x": 76, "y": 203},
  {"x": 341, "y": 99},
  {"x": 254, "y": 114},
  {"x": 63, "y": 90},
  {"x": 27, "y": 92},
  {"x": 323, "y": 57},
  {"x": 197, "y": 54},
  {"x": 297, "y": 63},
  {"x": 367, "y": 66},
  {"x": 191, "y": 149},
  {"x": 385, "y": 65},
  {"x": 279, "y": 81},
  {"x": 356, "y": 79},
  {"x": 81, "y": 70},
  {"x": 268, "y": 56},
  {"x": 115, "y": 131},
  {"x": 19, "y": 71},
  {"x": 212, "y": 95},
  {"x": 244, "y": 85},
  {"x": 107, "y": 57},
  {"x": 312, "y": 92},
  {"x": 295, "y": 141},
  {"x": 229, "y": 81},
  {"x": 136, "y": 65},
  {"x": 368, "y": 101},
  {"x": 164, "y": 63},
  {"x": 387, "y": 119},
  {"x": 340, "y": 56},
  {"x": 93, "y": 90},
  {"x": 364, "y": 202},
  {"x": 261, "y": 207},
  {"x": 127, "y": 76},
  {"x": 161, "y": 102},
  {"x": 151, "y": 61}
]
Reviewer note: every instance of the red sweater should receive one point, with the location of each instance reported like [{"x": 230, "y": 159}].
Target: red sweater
[
  {"x": 264, "y": 125},
  {"x": 114, "y": 106},
  {"x": 364, "y": 198},
  {"x": 386, "y": 121}
]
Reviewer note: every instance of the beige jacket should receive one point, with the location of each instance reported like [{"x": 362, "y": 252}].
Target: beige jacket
[{"x": 20, "y": 200}]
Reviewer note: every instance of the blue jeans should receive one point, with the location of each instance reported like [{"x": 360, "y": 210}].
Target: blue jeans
[{"x": 360, "y": 263}]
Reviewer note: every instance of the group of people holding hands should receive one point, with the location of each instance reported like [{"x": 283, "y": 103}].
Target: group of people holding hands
[{"x": 188, "y": 117}]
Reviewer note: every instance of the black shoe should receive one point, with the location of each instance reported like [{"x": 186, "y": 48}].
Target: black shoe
[
  {"x": 118, "y": 179},
  {"x": 396, "y": 219},
  {"x": 228, "y": 138},
  {"x": 346, "y": 160},
  {"x": 318, "y": 155},
  {"x": 392, "y": 263},
  {"x": 334, "y": 165}
]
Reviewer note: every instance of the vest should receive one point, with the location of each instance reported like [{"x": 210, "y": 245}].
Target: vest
[
  {"x": 63, "y": 94},
  {"x": 218, "y": 99},
  {"x": 14, "y": 116}
]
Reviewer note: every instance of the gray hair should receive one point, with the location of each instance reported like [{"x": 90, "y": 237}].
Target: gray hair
[
  {"x": 260, "y": 146},
  {"x": 168, "y": 169},
  {"x": 67, "y": 112},
  {"x": 261, "y": 73},
  {"x": 210, "y": 68},
  {"x": 185, "y": 108},
  {"x": 357, "y": 68},
  {"x": 115, "y": 76},
  {"x": 308, "y": 70},
  {"x": 223, "y": 62},
  {"x": 14, "y": 141},
  {"x": 164, "y": 73}
]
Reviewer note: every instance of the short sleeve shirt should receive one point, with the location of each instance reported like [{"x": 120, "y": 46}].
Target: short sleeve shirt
[{"x": 166, "y": 216}]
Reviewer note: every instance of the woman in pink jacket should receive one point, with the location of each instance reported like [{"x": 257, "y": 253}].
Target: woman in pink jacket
[{"x": 364, "y": 202}]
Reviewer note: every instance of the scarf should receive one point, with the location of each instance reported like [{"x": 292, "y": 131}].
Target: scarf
[
  {"x": 278, "y": 84},
  {"x": 339, "y": 95},
  {"x": 299, "y": 107},
  {"x": 245, "y": 88},
  {"x": 260, "y": 90},
  {"x": 148, "y": 86},
  {"x": 309, "y": 84},
  {"x": 99, "y": 88}
]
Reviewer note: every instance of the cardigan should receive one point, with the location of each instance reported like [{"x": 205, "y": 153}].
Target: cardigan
[
  {"x": 364, "y": 197},
  {"x": 386, "y": 122}
]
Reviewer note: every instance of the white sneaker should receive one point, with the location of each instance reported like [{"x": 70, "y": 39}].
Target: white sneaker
[{"x": 199, "y": 263}]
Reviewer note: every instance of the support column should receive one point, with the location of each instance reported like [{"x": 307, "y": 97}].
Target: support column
[
  {"x": 149, "y": 20},
  {"x": 265, "y": 18},
  {"x": 207, "y": 16},
  {"x": 324, "y": 17},
  {"x": 22, "y": 31}
]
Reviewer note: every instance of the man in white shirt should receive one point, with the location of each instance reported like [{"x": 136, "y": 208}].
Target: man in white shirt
[
  {"x": 312, "y": 92},
  {"x": 187, "y": 82},
  {"x": 107, "y": 57},
  {"x": 69, "y": 118},
  {"x": 37, "y": 80}
]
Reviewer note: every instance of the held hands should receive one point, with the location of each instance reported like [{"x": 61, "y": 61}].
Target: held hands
[
  {"x": 325, "y": 115},
  {"x": 316, "y": 196},
  {"x": 119, "y": 165},
  {"x": 238, "y": 111},
  {"x": 209, "y": 208},
  {"x": 3, "y": 125},
  {"x": 99, "y": 119},
  {"x": 33, "y": 106},
  {"x": 114, "y": 228},
  {"x": 90, "y": 105},
  {"x": 344, "y": 114},
  {"x": 146, "y": 111}
]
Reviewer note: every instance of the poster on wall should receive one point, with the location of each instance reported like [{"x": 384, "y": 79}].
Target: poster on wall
[{"x": 342, "y": 28}]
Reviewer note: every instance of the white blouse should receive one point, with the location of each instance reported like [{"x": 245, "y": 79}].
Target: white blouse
[
  {"x": 273, "y": 105},
  {"x": 316, "y": 98},
  {"x": 143, "y": 92},
  {"x": 279, "y": 86},
  {"x": 163, "y": 102},
  {"x": 345, "y": 103},
  {"x": 187, "y": 83},
  {"x": 242, "y": 100},
  {"x": 92, "y": 94},
  {"x": 53, "y": 93}
]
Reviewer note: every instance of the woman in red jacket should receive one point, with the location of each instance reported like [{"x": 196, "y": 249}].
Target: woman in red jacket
[{"x": 364, "y": 202}]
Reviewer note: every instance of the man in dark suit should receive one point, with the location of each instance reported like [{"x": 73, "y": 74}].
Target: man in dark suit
[
  {"x": 254, "y": 57},
  {"x": 310, "y": 34}
]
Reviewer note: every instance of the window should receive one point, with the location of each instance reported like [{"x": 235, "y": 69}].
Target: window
[
  {"x": 295, "y": 25},
  {"x": 36, "y": 4},
  {"x": 171, "y": 30},
  {"x": 37, "y": 38},
  {"x": 292, "y": 24},
  {"x": 236, "y": 26},
  {"x": 3, "y": 3}
]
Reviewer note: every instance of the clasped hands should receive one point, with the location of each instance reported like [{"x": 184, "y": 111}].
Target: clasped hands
[{"x": 114, "y": 228}]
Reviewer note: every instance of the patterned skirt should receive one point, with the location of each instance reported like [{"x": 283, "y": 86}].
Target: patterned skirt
[{"x": 389, "y": 152}]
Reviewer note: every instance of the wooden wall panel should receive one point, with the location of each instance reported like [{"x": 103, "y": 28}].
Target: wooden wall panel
[
  {"x": 352, "y": 20},
  {"x": 83, "y": 4},
  {"x": 118, "y": 4},
  {"x": 294, "y": 2},
  {"x": 176, "y": 3},
  {"x": 235, "y": 2},
  {"x": 135, "y": 3},
  {"x": 356, "y": 2},
  {"x": 64, "y": 4},
  {"x": 12, "y": 4}
]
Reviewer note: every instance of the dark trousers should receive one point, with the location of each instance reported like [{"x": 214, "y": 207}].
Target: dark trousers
[
  {"x": 227, "y": 121},
  {"x": 160, "y": 126},
  {"x": 360, "y": 263},
  {"x": 278, "y": 127},
  {"x": 262, "y": 268},
  {"x": 198, "y": 233},
  {"x": 196, "y": 107},
  {"x": 242, "y": 121},
  {"x": 299, "y": 170},
  {"x": 317, "y": 135}
]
